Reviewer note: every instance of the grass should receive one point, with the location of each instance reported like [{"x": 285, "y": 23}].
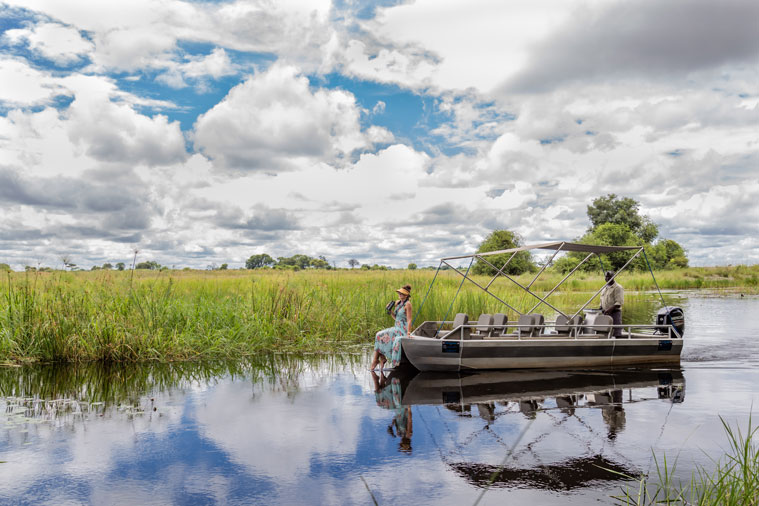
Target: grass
[
  {"x": 734, "y": 479},
  {"x": 185, "y": 315}
]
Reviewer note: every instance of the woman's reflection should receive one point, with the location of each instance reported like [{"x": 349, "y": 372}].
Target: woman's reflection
[{"x": 388, "y": 395}]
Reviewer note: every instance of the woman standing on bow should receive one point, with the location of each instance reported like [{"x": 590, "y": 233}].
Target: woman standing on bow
[{"x": 387, "y": 342}]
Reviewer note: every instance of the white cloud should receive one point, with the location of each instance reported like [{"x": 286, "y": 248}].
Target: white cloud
[
  {"x": 61, "y": 44},
  {"x": 23, "y": 85},
  {"x": 274, "y": 121}
]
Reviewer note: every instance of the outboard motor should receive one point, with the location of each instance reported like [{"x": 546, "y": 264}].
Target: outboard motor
[{"x": 670, "y": 316}]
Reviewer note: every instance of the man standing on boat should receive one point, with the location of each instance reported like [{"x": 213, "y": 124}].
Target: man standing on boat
[{"x": 612, "y": 298}]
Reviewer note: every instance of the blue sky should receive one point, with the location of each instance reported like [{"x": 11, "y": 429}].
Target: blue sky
[{"x": 203, "y": 132}]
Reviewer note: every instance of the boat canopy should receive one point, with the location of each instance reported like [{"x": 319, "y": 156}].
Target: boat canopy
[{"x": 554, "y": 246}]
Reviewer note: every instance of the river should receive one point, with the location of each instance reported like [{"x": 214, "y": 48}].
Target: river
[{"x": 323, "y": 430}]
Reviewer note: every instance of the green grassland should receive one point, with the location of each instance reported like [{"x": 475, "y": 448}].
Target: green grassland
[{"x": 185, "y": 315}]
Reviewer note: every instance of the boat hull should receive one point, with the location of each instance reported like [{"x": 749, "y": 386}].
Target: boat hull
[{"x": 429, "y": 354}]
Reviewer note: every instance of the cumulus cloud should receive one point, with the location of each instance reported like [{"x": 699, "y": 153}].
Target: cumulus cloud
[
  {"x": 274, "y": 120},
  {"x": 25, "y": 86},
  {"x": 62, "y": 44}
]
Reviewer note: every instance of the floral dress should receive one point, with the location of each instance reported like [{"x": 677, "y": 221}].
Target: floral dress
[{"x": 388, "y": 341}]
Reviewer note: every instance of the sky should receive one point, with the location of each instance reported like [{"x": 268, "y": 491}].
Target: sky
[{"x": 201, "y": 133}]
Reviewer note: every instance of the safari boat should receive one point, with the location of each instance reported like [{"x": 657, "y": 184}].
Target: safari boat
[{"x": 583, "y": 338}]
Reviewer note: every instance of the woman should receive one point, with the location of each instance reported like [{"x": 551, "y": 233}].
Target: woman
[{"x": 387, "y": 342}]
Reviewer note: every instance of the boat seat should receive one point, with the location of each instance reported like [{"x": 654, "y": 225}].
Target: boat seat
[
  {"x": 566, "y": 326},
  {"x": 602, "y": 327},
  {"x": 526, "y": 326},
  {"x": 500, "y": 324},
  {"x": 426, "y": 329},
  {"x": 482, "y": 330},
  {"x": 538, "y": 324},
  {"x": 458, "y": 321}
]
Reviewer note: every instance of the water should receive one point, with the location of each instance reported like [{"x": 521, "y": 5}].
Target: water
[{"x": 323, "y": 430}]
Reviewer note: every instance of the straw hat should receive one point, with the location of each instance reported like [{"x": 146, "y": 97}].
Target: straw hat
[{"x": 403, "y": 291}]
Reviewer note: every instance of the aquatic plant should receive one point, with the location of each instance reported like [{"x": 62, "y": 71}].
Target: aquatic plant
[
  {"x": 183, "y": 315},
  {"x": 734, "y": 479}
]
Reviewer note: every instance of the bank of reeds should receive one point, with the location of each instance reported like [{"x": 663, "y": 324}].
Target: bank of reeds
[
  {"x": 731, "y": 480},
  {"x": 183, "y": 315}
]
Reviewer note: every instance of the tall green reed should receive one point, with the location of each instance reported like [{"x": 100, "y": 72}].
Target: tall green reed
[
  {"x": 732, "y": 480},
  {"x": 178, "y": 315}
]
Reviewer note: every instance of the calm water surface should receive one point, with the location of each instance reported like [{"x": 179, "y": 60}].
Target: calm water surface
[{"x": 323, "y": 430}]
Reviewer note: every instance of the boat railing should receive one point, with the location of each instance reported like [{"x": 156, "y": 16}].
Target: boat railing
[{"x": 578, "y": 331}]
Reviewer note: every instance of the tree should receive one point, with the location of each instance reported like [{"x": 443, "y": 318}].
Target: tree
[
  {"x": 5, "y": 268},
  {"x": 411, "y": 266},
  {"x": 499, "y": 240},
  {"x": 319, "y": 263},
  {"x": 223, "y": 267},
  {"x": 621, "y": 211},
  {"x": 299, "y": 261},
  {"x": 121, "y": 266},
  {"x": 353, "y": 263},
  {"x": 615, "y": 221},
  {"x": 667, "y": 254},
  {"x": 150, "y": 265},
  {"x": 107, "y": 266},
  {"x": 258, "y": 261}
]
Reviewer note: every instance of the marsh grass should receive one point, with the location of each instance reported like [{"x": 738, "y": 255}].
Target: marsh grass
[
  {"x": 185, "y": 315},
  {"x": 734, "y": 479}
]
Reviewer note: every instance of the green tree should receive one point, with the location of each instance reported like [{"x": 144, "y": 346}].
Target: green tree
[
  {"x": 319, "y": 263},
  {"x": 499, "y": 240},
  {"x": 621, "y": 211},
  {"x": 299, "y": 261},
  {"x": 411, "y": 266},
  {"x": 150, "y": 265},
  {"x": 107, "y": 266},
  {"x": 616, "y": 221},
  {"x": 353, "y": 263},
  {"x": 667, "y": 254},
  {"x": 223, "y": 267},
  {"x": 5, "y": 268},
  {"x": 258, "y": 261},
  {"x": 120, "y": 266}
]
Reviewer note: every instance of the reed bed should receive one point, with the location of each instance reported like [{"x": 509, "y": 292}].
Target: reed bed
[{"x": 185, "y": 315}]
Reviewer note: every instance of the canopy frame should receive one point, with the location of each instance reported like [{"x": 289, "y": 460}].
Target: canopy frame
[{"x": 556, "y": 247}]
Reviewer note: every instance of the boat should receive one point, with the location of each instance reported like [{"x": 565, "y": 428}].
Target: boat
[{"x": 583, "y": 338}]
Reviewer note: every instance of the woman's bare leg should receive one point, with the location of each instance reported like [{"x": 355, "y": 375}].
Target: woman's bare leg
[
  {"x": 375, "y": 359},
  {"x": 382, "y": 360}
]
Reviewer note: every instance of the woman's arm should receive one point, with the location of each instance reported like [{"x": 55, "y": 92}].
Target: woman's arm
[{"x": 408, "y": 318}]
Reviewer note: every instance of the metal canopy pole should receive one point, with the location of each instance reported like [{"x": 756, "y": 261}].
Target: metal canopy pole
[
  {"x": 523, "y": 288},
  {"x": 457, "y": 293},
  {"x": 544, "y": 266},
  {"x": 654, "y": 278},
  {"x": 482, "y": 287},
  {"x": 561, "y": 282},
  {"x": 613, "y": 277},
  {"x": 426, "y": 294},
  {"x": 500, "y": 271}
]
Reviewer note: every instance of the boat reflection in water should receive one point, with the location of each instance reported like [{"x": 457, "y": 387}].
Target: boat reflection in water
[{"x": 496, "y": 397}]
